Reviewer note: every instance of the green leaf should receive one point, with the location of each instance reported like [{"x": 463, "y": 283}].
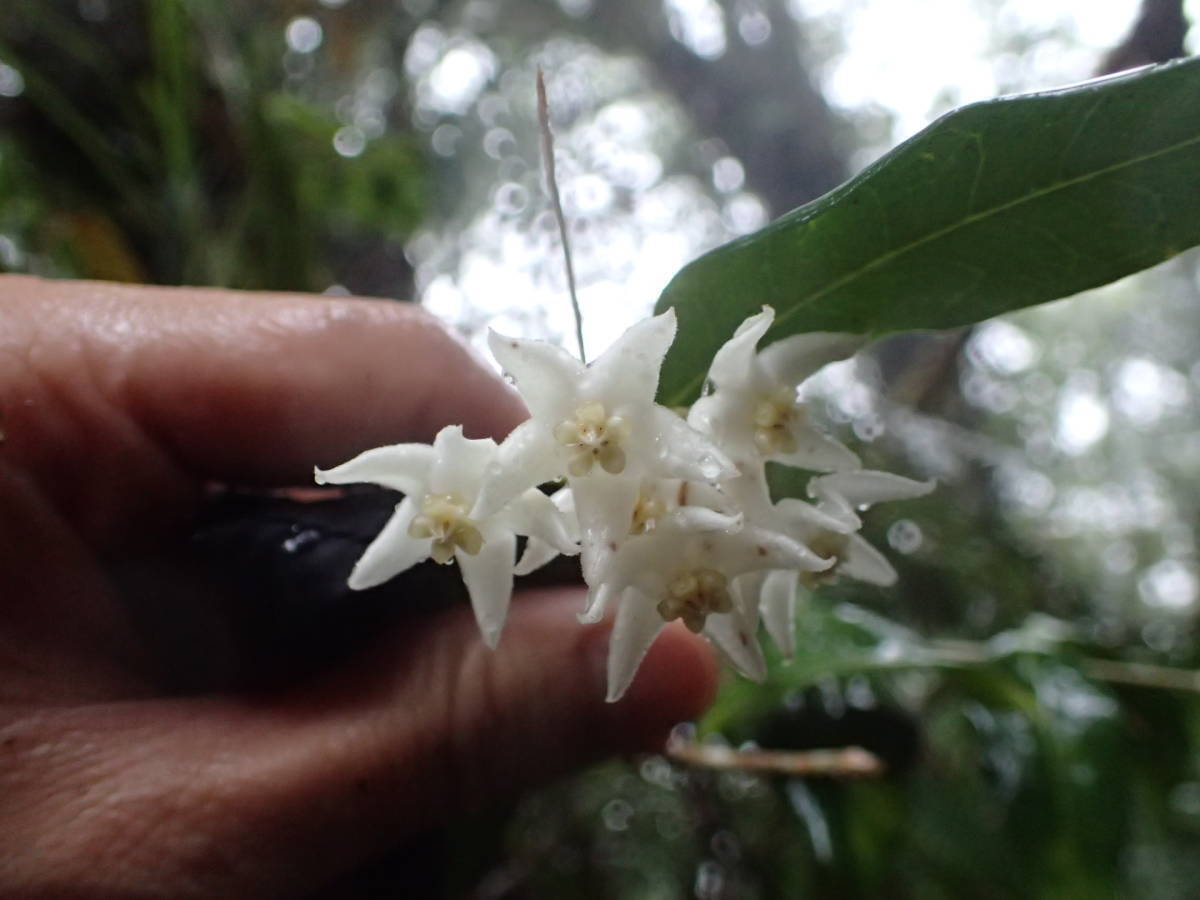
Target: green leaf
[{"x": 996, "y": 206}]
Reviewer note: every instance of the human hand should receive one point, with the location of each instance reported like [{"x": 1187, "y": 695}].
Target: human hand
[{"x": 118, "y": 405}]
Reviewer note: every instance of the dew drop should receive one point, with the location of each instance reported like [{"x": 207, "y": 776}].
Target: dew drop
[
  {"x": 349, "y": 141},
  {"x": 905, "y": 536},
  {"x": 616, "y": 814},
  {"x": 304, "y": 34},
  {"x": 301, "y": 539}
]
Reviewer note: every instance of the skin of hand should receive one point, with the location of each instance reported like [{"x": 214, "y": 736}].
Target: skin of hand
[{"x": 118, "y": 405}]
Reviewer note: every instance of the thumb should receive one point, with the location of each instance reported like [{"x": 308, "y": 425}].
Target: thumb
[{"x": 267, "y": 797}]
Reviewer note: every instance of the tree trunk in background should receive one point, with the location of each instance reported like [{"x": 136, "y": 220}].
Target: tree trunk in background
[
  {"x": 1156, "y": 36},
  {"x": 758, "y": 99}
]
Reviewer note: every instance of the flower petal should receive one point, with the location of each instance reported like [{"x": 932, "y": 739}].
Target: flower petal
[
  {"x": 637, "y": 625},
  {"x": 564, "y": 501},
  {"x": 459, "y": 463},
  {"x": 808, "y": 520},
  {"x": 393, "y": 551},
  {"x": 777, "y": 602},
  {"x": 707, "y": 414},
  {"x": 734, "y": 365},
  {"x": 604, "y": 506},
  {"x": 796, "y": 358},
  {"x": 865, "y": 487},
  {"x": 704, "y": 495},
  {"x": 749, "y": 493},
  {"x": 627, "y": 372},
  {"x": 534, "y": 514},
  {"x": 863, "y": 562},
  {"x": 488, "y": 576},
  {"x": 684, "y": 519},
  {"x": 529, "y": 456},
  {"x": 732, "y": 635},
  {"x": 401, "y": 467},
  {"x": 598, "y": 599},
  {"x": 752, "y": 549},
  {"x": 735, "y": 633},
  {"x": 746, "y": 590},
  {"x": 546, "y": 375},
  {"x": 680, "y": 451},
  {"x": 538, "y": 552},
  {"x": 817, "y": 451}
]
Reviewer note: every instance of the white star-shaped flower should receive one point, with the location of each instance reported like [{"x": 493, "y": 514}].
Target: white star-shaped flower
[
  {"x": 828, "y": 528},
  {"x": 682, "y": 570},
  {"x": 757, "y": 593},
  {"x": 439, "y": 517},
  {"x": 732, "y": 632},
  {"x": 599, "y": 427},
  {"x": 839, "y": 495},
  {"x": 752, "y": 412}
]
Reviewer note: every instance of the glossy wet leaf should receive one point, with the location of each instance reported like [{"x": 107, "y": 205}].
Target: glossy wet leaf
[{"x": 994, "y": 207}]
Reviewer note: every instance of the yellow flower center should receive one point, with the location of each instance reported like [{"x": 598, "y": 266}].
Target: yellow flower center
[
  {"x": 593, "y": 436},
  {"x": 692, "y": 595},
  {"x": 774, "y": 417},
  {"x": 443, "y": 518}
]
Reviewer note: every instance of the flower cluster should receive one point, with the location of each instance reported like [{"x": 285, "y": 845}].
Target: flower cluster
[{"x": 672, "y": 516}]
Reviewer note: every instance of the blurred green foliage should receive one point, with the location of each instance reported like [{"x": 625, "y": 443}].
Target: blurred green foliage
[
  {"x": 1012, "y": 774},
  {"x": 167, "y": 143}
]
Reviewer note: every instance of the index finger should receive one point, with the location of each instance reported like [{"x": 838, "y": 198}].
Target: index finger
[{"x": 237, "y": 386}]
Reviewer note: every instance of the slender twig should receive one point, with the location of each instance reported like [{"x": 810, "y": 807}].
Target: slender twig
[
  {"x": 1143, "y": 675},
  {"x": 1114, "y": 671},
  {"x": 844, "y": 762},
  {"x": 543, "y": 112},
  {"x": 954, "y": 653}
]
